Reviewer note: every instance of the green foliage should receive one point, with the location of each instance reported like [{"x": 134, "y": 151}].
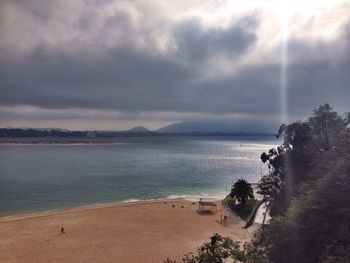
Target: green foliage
[
  {"x": 292, "y": 163},
  {"x": 245, "y": 212},
  {"x": 327, "y": 125},
  {"x": 230, "y": 202},
  {"x": 288, "y": 165},
  {"x": 317, "y": 220},
  {"x": 223, "y": 249},
  {"x": 336, "y": 254},
  {"x": 242, "y": 190},
  {"x": 309, "y": 189}
]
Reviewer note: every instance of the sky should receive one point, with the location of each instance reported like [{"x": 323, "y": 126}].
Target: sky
[{"x": 112, "y": 65}]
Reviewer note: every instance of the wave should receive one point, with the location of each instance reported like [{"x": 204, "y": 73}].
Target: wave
[
  {"x": 132, "y": 200},
  {"x": 197, "y": 197},
  {"x": 188, "y": 197},
  {"x": 233, "y": 158}
]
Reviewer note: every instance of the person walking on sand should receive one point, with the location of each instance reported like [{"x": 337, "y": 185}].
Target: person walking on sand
[
  {"x": 62, "y": 230},
  {"x": 225, "y": 220}
]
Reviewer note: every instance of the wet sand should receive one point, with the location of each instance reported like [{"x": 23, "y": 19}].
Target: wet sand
[{"x": 147, "y": 231}]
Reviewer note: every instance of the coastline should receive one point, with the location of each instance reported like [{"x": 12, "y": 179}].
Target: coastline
[
  {"x": 131, "y": 201},
  {"x": 140, "y": 231},
  {"x": 69, "y": 209},
  {"x": 58, "y": 143},
  {"x": 120, "y": 138},
  {"x": 80, "y": 208}
]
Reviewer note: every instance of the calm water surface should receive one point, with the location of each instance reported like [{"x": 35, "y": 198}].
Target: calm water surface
[{"x": 43, "y": 177}]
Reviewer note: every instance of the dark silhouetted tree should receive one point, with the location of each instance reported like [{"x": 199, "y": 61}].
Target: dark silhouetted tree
[{"x": 242, "y": 190}]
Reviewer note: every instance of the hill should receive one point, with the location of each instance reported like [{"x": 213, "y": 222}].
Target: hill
[
  {"x": 213, "y": 127},
  {"x": 139, "y": 129}
]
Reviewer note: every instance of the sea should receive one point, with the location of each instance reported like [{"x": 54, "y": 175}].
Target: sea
[{"x": 41, "y": 177}]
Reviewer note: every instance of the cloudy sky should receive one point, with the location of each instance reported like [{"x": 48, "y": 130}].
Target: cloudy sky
[{"x": 105, "y": 64}]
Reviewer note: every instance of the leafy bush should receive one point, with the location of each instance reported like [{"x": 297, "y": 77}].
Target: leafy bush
[{"x": 221, "y": 249}]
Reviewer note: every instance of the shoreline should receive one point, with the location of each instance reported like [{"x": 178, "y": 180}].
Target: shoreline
[
  {"x": 181, "y": 197},
  {"x": 59, "y": 211},
  {"x": 120, "y": 139},
  {"x": 58, "y": 143},
  {"x": 185, "y": 198}
]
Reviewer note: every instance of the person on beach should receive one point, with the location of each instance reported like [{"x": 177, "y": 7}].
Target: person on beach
[
  {"x": 225, "y": 220},
  {"x": 62, "y": 230}
]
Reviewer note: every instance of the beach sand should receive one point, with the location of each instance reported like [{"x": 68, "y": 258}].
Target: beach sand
[{"x": 147, "y": 231}]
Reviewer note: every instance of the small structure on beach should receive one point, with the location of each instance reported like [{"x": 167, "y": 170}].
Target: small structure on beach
[{"x": 207, "y": 206}]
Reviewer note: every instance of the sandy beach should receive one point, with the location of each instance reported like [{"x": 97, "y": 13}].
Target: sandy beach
[{"x": 147, "y": 231}]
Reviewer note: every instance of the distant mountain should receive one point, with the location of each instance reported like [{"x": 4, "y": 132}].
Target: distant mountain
[
  {"x": 177, "y": 127},
  {"x": 213, "y": 127},
  {"x": 139, "y": 129},
  {"x": 198, "y": 126}
]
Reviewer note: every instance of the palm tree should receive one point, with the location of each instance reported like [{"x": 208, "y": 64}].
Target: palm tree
[{"x": 242, "y": 190}]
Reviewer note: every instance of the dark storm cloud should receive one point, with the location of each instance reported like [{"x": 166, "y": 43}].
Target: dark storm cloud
[
  {"x": 319, "y": 73},
  {"x": 122, "y": 78},
  {"x": 194, "y": 42},
  {"x": 121, "y": 69}
]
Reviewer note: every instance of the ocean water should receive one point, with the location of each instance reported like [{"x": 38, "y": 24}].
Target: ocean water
[{"x": 46, "y": 177}]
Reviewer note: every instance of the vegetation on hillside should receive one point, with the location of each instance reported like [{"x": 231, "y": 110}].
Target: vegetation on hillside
[
  {"x": 220, "y": 249},
  {"x": 309, "y": 188}
]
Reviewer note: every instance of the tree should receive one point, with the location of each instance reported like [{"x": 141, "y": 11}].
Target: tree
[
  {"x": 309, "y": 188},
  {"x": 288, "y": 164},
  {"x": 242, "y": 190},
  {"x": 327, "y": 124},
  {"x": 303, "y": 144},
  {"x": 223, "y": 249}
]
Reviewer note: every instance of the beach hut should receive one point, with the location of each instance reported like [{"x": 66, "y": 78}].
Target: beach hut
[{"x": 207, "y": 206}]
